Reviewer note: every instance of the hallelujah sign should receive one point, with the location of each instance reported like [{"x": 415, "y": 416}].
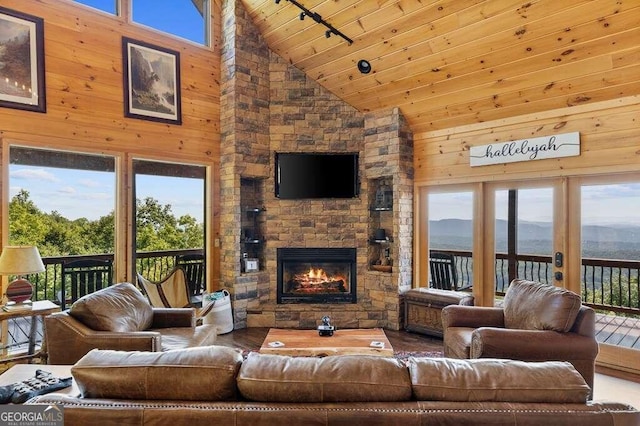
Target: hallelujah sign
[{"x": 555, "y": 146}]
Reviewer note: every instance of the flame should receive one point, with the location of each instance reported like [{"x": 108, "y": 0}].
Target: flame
[{"x": 317, "y": 275}]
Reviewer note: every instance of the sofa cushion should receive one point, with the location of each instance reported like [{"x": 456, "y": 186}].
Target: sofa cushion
[
  {"x": 206, "y": 373},
  {"x": 174, "y": 338},
  {"x": 531, "y": 305},
  {"x": 499, "y": 380},
  {"x": 119, "y": 308},
  {"x": 348, "y": 378}
]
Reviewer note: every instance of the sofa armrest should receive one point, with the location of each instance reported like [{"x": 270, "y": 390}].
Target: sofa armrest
[
  {"x": 173, "y": 317},
  {"x": 472, "y": 316},
  {"x": 68, "y": 340},
  {"x": 531, "y": 345}
]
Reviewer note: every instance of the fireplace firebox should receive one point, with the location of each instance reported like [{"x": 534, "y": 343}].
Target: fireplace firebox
[{"x": 316, "y": 275}]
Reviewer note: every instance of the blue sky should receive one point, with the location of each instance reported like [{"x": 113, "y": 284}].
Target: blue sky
[
  {"x": 90, "y": 194},
  {"x": 601, "y": 204},
  {"x": 178, "y": 17}
]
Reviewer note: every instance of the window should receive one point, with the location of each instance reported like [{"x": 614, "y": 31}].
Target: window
[
  {"x": 523, "y": 235},
  {"x": 451, "y": 232},
  {"x": 610, "y": 229},
  {"x": 169, "y": 214},
  {"x": 109, "y": 6},
  {"x": 188, "y": 19},
  {"x": 63, "y": 203}
]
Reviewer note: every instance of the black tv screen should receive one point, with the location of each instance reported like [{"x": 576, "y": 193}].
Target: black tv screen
[{"x": 316, "y": 175}]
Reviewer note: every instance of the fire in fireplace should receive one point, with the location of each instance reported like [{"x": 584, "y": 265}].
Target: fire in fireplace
[{"x": 316, "y": 275}]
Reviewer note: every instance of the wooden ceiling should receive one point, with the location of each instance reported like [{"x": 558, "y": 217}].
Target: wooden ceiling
[{"x": 449, "y": 63}]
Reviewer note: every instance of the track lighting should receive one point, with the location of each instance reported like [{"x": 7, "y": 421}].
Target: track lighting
[
  {"x": 364, "y": 66},
  {"x": 317, "y": 18}
]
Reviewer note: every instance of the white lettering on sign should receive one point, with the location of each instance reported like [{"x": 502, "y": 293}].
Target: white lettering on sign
[{"x": 556, "y": 146}]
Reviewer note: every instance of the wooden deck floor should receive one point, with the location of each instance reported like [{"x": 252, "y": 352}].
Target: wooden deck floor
[{"x": 618, "y": 331}]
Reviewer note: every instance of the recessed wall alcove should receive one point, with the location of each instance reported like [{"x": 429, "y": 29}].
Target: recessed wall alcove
[{"x": 274, "y": 107}]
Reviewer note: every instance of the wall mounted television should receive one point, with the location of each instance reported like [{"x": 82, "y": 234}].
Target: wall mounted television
[{"x": 303, "y": 175}]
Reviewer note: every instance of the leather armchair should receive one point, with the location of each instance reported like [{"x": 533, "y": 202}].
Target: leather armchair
[
  {"x": 119, "y": 317},
  {"x": 538, "y": 322}
]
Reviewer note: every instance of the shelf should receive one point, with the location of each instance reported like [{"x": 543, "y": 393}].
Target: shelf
[
  {"x": 388, "y": 240},
  {"x": 254, "y": 241},
  {"x": 255, "y": 209},
  {"x": 381, "y": 209}
]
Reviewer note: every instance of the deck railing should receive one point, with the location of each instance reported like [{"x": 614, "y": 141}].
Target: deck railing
[
  {"x": 606, "y": 284},
  {"x": 152, "y": 265}
]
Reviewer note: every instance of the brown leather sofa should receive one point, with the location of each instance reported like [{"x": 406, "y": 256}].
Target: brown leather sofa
[
  {"x": 537, "y": 322},
  {"x": 214, "y": 385},
  {"x": 120, "y": 317}
]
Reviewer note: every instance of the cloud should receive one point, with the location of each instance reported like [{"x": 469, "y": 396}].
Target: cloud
[
  {"x": 33, "y": 174},
  {"x": 89, "y": 183},
  {"x": 67, "y": 190}
]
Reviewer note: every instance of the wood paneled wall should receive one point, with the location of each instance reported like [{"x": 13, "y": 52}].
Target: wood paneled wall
[
  {"x": 85, "y": 101},
  {"x": 610, "y": 150},
  {"x": 609, "y": 135}
]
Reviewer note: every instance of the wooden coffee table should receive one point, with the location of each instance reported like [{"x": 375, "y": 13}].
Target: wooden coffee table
[{"x": 310, "y": 343}]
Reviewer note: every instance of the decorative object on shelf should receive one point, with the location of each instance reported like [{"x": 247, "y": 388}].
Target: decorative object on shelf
[
  {"x": 151, "y": 82},
  {"x": 383, "y": 197},
  {"x": 331, "y": 30},
  {"x": 22, "y": 83},
  {"x": 326, "y": 329},
  {"x": 380, "y": 234},
  {"x": 251, "y": 264},
  {"x": 20, "y": 260}
]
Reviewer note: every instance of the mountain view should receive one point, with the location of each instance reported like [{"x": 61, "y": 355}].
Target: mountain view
[{"x": 598, "y": 241}]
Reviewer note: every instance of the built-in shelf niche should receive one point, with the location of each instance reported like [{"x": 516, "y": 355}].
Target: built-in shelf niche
[
  {"x": 253, "y": 224},
  {"x": 380, "y": 253}
]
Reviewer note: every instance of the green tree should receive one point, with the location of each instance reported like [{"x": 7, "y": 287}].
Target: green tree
[
  {"x": 55, "y": 235},
  {"x": 158, "y": 229}
]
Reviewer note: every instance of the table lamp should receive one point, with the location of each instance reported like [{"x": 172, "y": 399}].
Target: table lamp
[{"x": 20, "y": 260}]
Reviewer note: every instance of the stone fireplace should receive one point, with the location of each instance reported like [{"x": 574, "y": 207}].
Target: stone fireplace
[
  {"x": 271, "y": 106},
  {"x": 316, "y": 275}
]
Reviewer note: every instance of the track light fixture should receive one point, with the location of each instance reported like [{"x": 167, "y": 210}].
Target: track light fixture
[
  {"x": 317, "y": 18},
  {"x": 364, "y": 66}
]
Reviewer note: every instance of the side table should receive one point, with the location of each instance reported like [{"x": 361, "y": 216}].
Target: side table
[
  {"x": 423, "y": 308},
  {"x": 38, "y": 309}
]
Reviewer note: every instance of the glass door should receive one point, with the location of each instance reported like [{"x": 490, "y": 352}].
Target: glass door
[
  {"x": 610, "y": 266},
  {"x": 524, "y": 236}
]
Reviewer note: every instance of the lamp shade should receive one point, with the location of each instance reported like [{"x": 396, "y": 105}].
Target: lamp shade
[{"x": 20, "y": 260}]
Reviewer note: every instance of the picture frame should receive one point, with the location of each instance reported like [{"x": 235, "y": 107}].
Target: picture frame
[
  {"x": 22, "y": 76},
  {"x": 151, "y": 81}
]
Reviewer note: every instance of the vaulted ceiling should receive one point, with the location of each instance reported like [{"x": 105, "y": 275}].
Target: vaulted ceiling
[{"x": 448, "y": 63}]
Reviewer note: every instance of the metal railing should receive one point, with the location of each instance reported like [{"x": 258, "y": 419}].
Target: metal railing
[
  {"x": 152, "y": 265},
  {"x": 606, "y": 284}
]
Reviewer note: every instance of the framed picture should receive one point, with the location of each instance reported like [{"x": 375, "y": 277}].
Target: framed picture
[
  {"x": 151, "y": 82},
  {"x": 21, "y": 61}
]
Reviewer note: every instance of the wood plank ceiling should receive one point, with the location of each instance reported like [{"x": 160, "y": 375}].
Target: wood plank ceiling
[{"x": 449, "y": 63}]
